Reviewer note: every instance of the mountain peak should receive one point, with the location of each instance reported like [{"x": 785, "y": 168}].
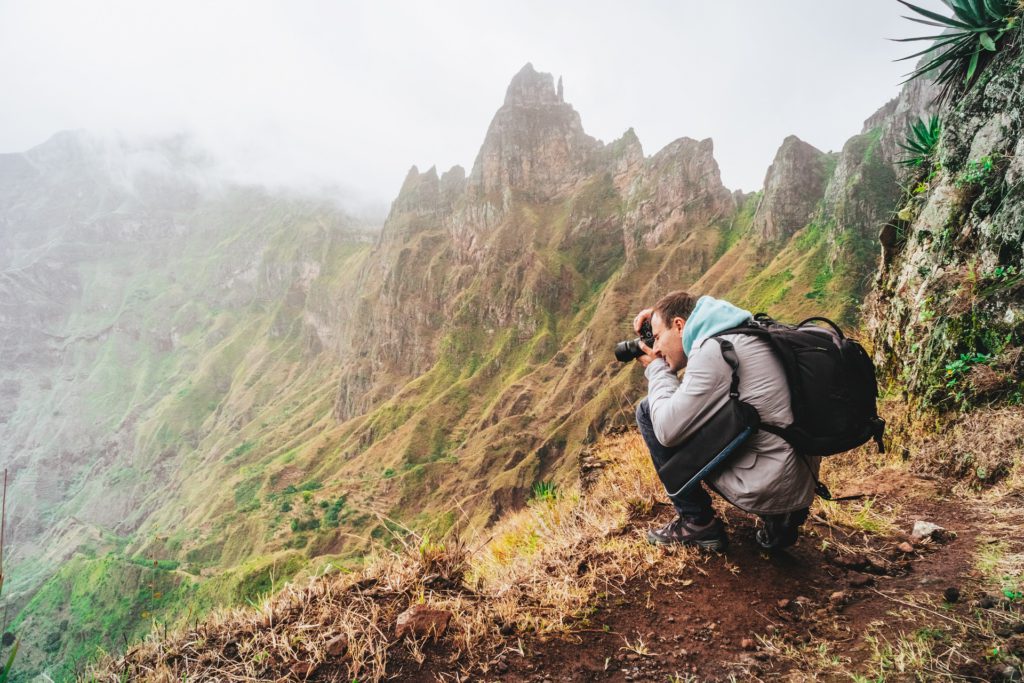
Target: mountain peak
[
  {"x": 535, "y": 141},
  {"x": 793, "y": 185},
  {"x": 531, "y": 88}
]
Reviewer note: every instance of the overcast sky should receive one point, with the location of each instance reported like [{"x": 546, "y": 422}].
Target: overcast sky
[{"x": 355, "y": 93}]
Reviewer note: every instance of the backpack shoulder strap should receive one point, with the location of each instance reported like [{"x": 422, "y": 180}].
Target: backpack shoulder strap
[{"x": 729, "y": 354}]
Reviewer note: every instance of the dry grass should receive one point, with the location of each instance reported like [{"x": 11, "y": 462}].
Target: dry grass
[
  {"x": 981, "y": 449},
  {"x": 539, "y": 571},
  {"x": 870, "y": 516}
]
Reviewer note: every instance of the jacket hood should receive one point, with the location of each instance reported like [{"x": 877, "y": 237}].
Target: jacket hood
[{"x": 711, "y": 316}]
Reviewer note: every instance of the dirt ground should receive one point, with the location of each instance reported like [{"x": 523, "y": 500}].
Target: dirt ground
[{"x": 845, "y": 603}]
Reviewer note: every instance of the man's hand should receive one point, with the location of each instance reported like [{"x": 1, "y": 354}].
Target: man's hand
[
  {"x": 641, "y": 317},
  {"x": 649, "y": 355}
]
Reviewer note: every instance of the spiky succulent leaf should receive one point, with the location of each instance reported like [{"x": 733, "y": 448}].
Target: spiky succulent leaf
[
  {"x": 976, "y": 26},
  {"x": 922, "y": 139}
]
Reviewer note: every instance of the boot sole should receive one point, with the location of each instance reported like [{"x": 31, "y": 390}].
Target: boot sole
[{"x": 716, "y": 544}]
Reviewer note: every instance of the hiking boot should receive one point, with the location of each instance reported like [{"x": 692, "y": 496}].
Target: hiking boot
[
  {"x": 685, "y": 531},
  {"x": 780, "y": 531}
]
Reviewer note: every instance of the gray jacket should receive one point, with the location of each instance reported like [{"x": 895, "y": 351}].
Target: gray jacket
[{"x": 764, "y": 477}]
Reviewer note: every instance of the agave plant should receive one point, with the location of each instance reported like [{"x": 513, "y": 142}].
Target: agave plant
[
  {"x": 922, "y": 138},
  {"x": 969, "y": 39}
]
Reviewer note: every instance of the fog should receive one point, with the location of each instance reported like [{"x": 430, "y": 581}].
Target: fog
[{"x": 350, "y": 95}]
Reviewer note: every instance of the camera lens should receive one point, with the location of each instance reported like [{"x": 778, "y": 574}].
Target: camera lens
[{"x": 628, "y": 350}]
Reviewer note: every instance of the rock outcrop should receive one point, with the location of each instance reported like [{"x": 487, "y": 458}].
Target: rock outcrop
[
  {"x": 948, "y": 315},
  {"x": 793, "y": 186},
  {"x": 535, "y": 143}
]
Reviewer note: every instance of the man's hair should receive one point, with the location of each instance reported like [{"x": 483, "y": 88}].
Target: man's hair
[{"x": 675, "y": 305}]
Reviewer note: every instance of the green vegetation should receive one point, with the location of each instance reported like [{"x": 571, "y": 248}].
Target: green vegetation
[
  {"x": 544, "y": 491},
  {"x": 977, "y": 171},
  {"x": 975, "y": 32},
  {"x": 165, "y": 565},
  {"x": 331, "y": 516},
  {"x": 821, "y": 282},
  {"x": 306, "y": 524},
  {"x": 738, "y": 225},
  {"x": 240, "y": 450},
  {"x": 922, "y": 141}
]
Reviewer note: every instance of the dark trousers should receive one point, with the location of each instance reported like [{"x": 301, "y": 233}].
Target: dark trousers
[{"x": 696, "y": 504}]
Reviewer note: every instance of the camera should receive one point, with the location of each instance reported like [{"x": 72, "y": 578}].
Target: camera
[{"x": 629, "y": 350}]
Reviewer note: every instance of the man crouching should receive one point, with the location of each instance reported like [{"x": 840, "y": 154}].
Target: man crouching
[{"x": 765, "y": 476}]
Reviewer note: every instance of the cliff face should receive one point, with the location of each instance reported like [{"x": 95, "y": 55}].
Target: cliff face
[
  {"x": 793, "y": 186},
  {"x": 535, "y": 143},
  {"x": 948, "y": 316},
  {"x": 808, "y": 245}
]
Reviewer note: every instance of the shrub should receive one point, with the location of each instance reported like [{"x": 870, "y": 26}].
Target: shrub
[
  {"x": 331, "y": 517},
  {"x": 545, "y": 491},
  {"x": 307, "y": 524}
]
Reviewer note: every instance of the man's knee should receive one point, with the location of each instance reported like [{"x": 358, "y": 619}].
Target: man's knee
[{"x": 643, "y": 412}]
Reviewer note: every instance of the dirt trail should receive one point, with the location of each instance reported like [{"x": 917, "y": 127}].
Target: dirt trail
[{"x": 843, "y": 600}]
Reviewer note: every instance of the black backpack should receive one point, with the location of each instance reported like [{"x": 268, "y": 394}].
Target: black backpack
[{"x": 831, "y": 381}]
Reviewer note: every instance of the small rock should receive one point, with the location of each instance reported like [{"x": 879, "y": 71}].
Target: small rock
[
  {"x": 632, "y": 656},
  {"x": 783, "y": 604},
  {"x": 420, "y": 621},
  {"x": 337, "y": 646},
  {"x": 951, "y": 594},
  {"x": 507, "y": 629},
  {"x": 303, "y": 669},
  {"x": 861, "y": 580},
  {"x": 802, "y": 601},
  {"x": 671, "y": 620},
  {"x": 747, "y": 643},
  {"x": 682, "y": 652},
  {"x": 927, "y": 530},
  {"x": 838, "y": 598},
  {"x": 986, "y": 602},
  {"x": 905, "y": 548}
]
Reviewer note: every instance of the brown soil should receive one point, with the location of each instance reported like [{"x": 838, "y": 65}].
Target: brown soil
[{"x": 833, "y": 588}]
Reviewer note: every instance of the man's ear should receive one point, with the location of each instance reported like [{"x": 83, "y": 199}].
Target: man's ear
[{"x": 678, "y": 323}]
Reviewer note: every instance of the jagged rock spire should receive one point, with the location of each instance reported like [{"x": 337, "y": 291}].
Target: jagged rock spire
[
  {"x": 794, "y": 184},
  {"x": 531, "y": 88},
  {"x": 535, "y": 142}
]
